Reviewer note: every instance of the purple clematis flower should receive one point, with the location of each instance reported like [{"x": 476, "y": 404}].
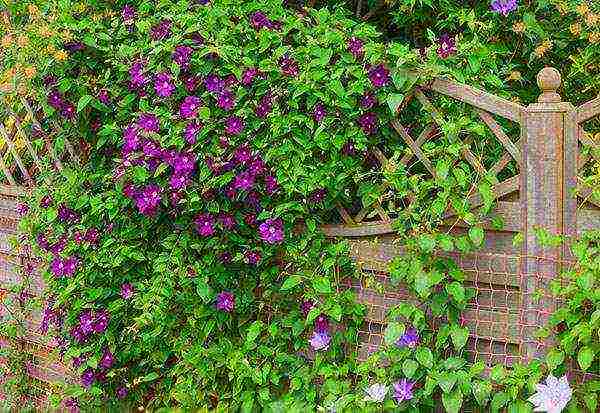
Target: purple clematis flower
[
  {"x": 46, "y": 201},
  {"x": 101, "y": 321},
  {"x": 127, "y": 291},
  {"x": 189, "y": 107},
  {"x": 161, "y": 31},
  {"x": 234, "y": 125},
  {"x": 379, "y": 76},
  {"x": 205, "y": 225},
  {"x": 252, "y": 257},
  {"x": 148, "y": 122},
  {"x": 355, "y": 47},
  {"x": 248, "y": 76},
  {"x": 87, "y": 378},
  {"x": 137, "y": 77},
  {"x": 122, "y": 392},
  {"x": 225, "y": 100},
  {"x": 403, "y": 390},
  {"x": 163, "y": 84},
  {"x": 265, "y": 106},
  {"x": 181, "y": 55},
  {"x": 289, "y": 66},
  {"x": 504, "y": 7},
  {"x": 244, "y": 181},
  {"x": 107, "y": 359},
  {"x": 368, "y": 100},
  {"x": 191, "y": 132},
  {"x": 214, "y": 84},
  {"x": 447, "y": 46},
  {"x": 225, "y": 301},
  {"x": 104, "y": 97},
  {"x": 271, "y": 231},
  {"x": 319, "y": 112},
  {"x": 368, "y": 123},
  {"x": 128, "y": 15},
  {"x": 320, "y": 341},
  {"x": 22, "y": 209},
  {"x": 148, "y": 199},
  {"x": 409, "y": 339}
]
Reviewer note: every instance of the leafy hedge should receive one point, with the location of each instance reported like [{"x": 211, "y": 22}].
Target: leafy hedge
[{"x": 186, "y": 267}]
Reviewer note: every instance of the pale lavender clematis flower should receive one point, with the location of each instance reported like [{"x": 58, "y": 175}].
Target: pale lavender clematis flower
[
  {"x": 553, "y": 396},
  {"x": 320, "y": 341},
  {"x": 403, "y": 390},
  {"x": 376, "y": 393}
]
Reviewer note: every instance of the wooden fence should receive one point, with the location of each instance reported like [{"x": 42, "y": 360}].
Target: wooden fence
[{"x": 543, "y": 186}]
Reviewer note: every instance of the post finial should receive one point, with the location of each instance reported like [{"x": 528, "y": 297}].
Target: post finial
[{"x": 549, "y": 80}]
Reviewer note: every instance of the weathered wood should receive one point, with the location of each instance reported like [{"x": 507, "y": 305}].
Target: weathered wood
[
  {"x": 588, "y": 110},
  {"x": 512, "y": 149},
  {"x": 587, "y": 220},
  {"x": 414, "y": 147},
  {"x": 478, "y": 98}
]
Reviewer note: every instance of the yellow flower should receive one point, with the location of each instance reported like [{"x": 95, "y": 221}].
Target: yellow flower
[
  {"x": 46, "y": 32},
  {"x": 543, "y": 48},
  {"x": 594, "y": 37},
  {"x": 575, "y": 29},
  {"x": 519, "y": 27},
  {"x": 30, "y": 72},
  {"x": 61, "y": 55},
  {"x": 514, "y": 75},
  {"x": 33, "y": 10},
  {"x": 50, "y": 48},
  {"x": 7, "y": 41},
  {"x": 592, "y": 19},
  {"x": 562, "y": 8},
  {"x": 583, "y": 9},
  {"x": 23, "y": 40},
  {"x": 5, "y": 18},
  {"x": 66, "y": 35}
]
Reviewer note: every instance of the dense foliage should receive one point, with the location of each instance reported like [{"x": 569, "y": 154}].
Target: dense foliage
[{"x": 186, "y": 267}]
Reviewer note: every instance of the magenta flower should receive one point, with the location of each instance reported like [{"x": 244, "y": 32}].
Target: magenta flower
[
  {"x": 163, "y": 84},
  {"x": 379, "y": 76},
  {"x": 409, "y": 339},
  {"x": 225, "y": 301},
  {"x": 225, "y": 100},
  {"x": 271, "y": 184},
  {"x": 447, "y": 46},
  {"x": 252, "y": 257},
  {"x": 101, "y": 322},
  {"x": 244, "y": 181},
  {"x": 265, "y": 106},
  {"x": 122, "y": 392},
  {"x": 148, "y": 122},
  {"x": 248, "y": 76},
  {"x": 161, "y": 31},
  {"x": 320, "y": 341},
  {"x": 128, "y": 15},
  {"x": 289, "y": 66},
  {"x": 22, "y": 209},
  {"x": 87, "y": 378},
  {"x": 107, "y": 359},
  {"x": 368, "y": 123},
  {"x": 137, "y": 77},
  {"x": 104, "y": 97},
  {"x": 68, "y": 110},
  {"x": 504, "y": 7},
  {"x": 189, "y": 107},
  {"x": 234, "y": 125},
  {"x": 258, "y": 20},
  {"x": 319, "y": 112},
  {"x": 322, "y": 324},
  {"x": 181, "y": 55},
  {"x": 306, "y": 306},
  {"x": 191, "y": 83},
  {"x": 191, "y": 131},
  {"x": 227, "y": 221},
  {"x": 131, "y": 140},
  {"x": 271, "y": 231},
  {"x": 127, "y": 291},
  {"x": 205, "y": 224},
  {"x": 403, "y": 390},
  {"x": 55, "y": 99},
  {"x": 242, "y": 154},
  {"x": 317, "y": 195},
  {"x": 63, "y": 267},
  {"x": 214, "y": 84},
  {"x": 368, "y": 100},
  {"x": 348, "y": 149},
  {"x": 355, "y": 46},
  {"x": 148, "y": 199}
]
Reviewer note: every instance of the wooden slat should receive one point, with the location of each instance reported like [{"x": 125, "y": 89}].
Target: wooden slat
[
  {"x": 428, "y": 133},
  {"x": 14, "y": 153},
  {"x": 479, "y": 99},
  {"x": 48, "y": 144},
  {"x": 499, "y": 133},
  {"x": 499, "y": 190},
  {"x": 587, "y": 194},
  {"x": 495, "y": 325},
  {"x": 413, "y": 146},
  {"x": 588, "y": 220},
  {"x": 588, "y": 110}
]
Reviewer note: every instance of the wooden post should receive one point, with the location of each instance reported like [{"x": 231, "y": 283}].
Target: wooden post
[{"x": 549, "y": 137}]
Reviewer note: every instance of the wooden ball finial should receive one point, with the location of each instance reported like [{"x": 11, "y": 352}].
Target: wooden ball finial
[{"x": 549, "y": 81}]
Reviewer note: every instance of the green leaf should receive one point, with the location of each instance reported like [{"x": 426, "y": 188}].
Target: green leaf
[
  {"x": 253, "y": 332},
  {"x": 585, "y": 358},
  {"x": 498, "y": 401},
  {"x": 290, "y": 282},
  {"x": 459, "y": 336},
  {"x": 322, "y": 285},
  {"x": 457, "y": 291},
  {"x": 447, "y": 381},
  {"x": 424, "y": 356},
  {"x": 83, "y": 102},
  {"x": 476, "y": 235},
  {"x": 554, "y": 358},
  {"x": 497, "y": 373},
  {"x": 149, "y": 377},
  {"x": 452, "y": 401},
  {"x": 481, "y": 391},
  {"x": 427, "y": 243},
  {"x": 394, "y": 101},
  {"x": 409, "y": 367},
  {"x": 393, "y": 332}
]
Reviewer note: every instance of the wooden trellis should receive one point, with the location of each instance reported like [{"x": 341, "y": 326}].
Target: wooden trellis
[{"x": 547, "y": 192}]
